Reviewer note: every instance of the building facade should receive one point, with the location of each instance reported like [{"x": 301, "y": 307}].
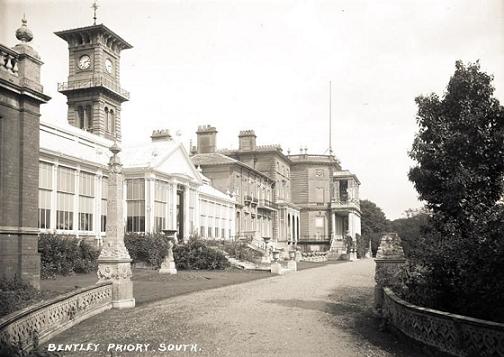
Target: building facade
[
  {"x": 21, "y": 95},
  {"x": 315, "y": 203},
  {"x": 253, "y": 191},
  {"x": 162, "y": 188}
]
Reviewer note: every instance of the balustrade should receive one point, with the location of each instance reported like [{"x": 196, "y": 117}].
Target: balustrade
[{"x": 9, "y": 60}]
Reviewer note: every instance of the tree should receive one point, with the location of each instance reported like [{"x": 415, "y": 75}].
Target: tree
[
  {"x": 459, "y": 151},
  {"x": 411, "y": 229},
  {"x": 373, "y": 223}
]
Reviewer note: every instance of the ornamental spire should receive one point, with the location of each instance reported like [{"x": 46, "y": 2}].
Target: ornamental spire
[
  {"x": 94, "y": 7},
  {"x": 23, "y": 33}
]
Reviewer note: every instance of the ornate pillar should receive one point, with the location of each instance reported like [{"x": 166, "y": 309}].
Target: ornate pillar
[
  {"x": 389, "y": 263},
  {"x": 114, "y": 262}
]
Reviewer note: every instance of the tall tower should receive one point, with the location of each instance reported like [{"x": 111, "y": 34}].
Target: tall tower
[{"x": 93, "y": 88}]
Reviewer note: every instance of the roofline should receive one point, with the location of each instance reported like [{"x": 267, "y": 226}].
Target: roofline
[
  {"x": 239, "y": 163},
  {"x": 62, "y": 34}
]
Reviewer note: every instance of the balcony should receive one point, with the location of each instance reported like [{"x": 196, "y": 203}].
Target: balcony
[
  {"x": 343, "y": 203},
  {"x": 106, "y": 83},
  {"x": 318, "y": 238},
  {"x": 268, "y": 205}
]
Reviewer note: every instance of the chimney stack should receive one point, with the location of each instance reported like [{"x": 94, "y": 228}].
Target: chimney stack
[
  {"x": 207, "y": 139},
  {"x": 247, "y": 140},
  {"x": 161, "y": 135}
]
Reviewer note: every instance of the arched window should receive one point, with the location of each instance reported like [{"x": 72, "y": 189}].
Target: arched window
[
  {"x": 112, "y": 121},
  {"x": 107, "y": 120},
  {"x": 88, "y": 118},
  {"x": 80, "y": 117}
]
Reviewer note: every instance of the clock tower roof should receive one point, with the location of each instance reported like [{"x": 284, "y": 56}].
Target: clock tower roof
[{"x": 85, "y": 34}]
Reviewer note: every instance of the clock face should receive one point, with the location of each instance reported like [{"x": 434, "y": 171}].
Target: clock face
[
  {"x": 84, "y": 62},
  {"x": 108, "y": 65}
]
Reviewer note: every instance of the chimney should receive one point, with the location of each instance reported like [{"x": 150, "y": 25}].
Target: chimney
[
  {"x": 207, "y": 139},
  {"x": 247, "y": 140},
  {"x": 161, "y": 135}
]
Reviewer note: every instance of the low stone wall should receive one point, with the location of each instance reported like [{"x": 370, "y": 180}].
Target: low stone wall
[
  {"x": 36, "y": 324},
  {"x": 315, "y": 257},
  {"x": 454, "y": 334}
]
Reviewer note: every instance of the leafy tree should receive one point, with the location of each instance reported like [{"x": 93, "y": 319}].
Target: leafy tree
[
  {"x": 459, "y": 173},
  {"x": 373, "y": 223},
  {"x": 411, "y": 229}
]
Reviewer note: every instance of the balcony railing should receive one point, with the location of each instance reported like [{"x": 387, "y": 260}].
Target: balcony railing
[
  {"x": 94, "y": 82},
  {"x": 8, "y": 60},
  {"x": 345, "y": 203},
  {"x": 267, "y": 205},
  {"x": 315, "y": 238}
]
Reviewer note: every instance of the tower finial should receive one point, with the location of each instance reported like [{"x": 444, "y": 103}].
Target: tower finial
[
  {"x": 23, "y": 33},
  {"x": 94, "y": 7}
]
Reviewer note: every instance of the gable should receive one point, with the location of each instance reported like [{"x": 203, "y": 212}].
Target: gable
[{"x": 178, "y": 162}]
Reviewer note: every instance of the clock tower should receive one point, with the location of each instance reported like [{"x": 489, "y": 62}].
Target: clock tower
[{"x": 93, "y": 88}]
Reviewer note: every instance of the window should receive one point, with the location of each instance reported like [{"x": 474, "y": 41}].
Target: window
[
  {"x": 45, "y": 190},
  {"x": 160, "y": 204},
  {"x": 44, "y": 209},
  {"x": 86, "y": 213},
  {"x": 135, "y": 205},
  {"x": 65, "y": 198},
  {"x": 86, "y": 201},
  {"x": 104, "y": 201},
  {"x": 202, "y": 231},
  {"x": 64, "y": 214},
  {"x": 80, "y": 115},
  {"x": 107, "y": 120},
  {"x": 216, "y": 232},
  {"x": 210, "y": 232}
]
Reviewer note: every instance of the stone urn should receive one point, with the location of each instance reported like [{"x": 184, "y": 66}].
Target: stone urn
[
  {"x": 292, "y": 254},
  {"x": 276, "y": 255},
  {"x": 168, "y": 264}
]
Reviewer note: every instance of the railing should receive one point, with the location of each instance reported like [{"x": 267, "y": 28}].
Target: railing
[
  {"x": 267, "y": 204},
  {"x": 94, "y": 82},
  {"x": 38, "y": 323},
  {"x": 321, "y": 238},
  {"x": 345, "y": 202},
  {"x": 454, "y": 334},
  {"x": 9, "y": 60}
]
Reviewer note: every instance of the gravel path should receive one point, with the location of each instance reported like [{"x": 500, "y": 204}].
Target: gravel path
[{"x": 323, "y": 311}]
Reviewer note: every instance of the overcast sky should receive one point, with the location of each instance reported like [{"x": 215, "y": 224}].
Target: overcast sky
[{"x": 266, "y": 65}]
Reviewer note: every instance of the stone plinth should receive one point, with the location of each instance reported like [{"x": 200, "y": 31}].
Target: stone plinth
[
  {"x": 168, "y": 265},
  {"x": 114, "y": 262},
  {"x": 276, "y": 268},
  {"x": 390, "y": 261},
  {"x": 292, "y": 265}
]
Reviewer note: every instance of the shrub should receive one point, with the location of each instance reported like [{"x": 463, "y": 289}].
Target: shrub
[
  {"x": 64, "y": 255},
  {"x": 148, "y": 248},
  {"x": 240, "y": 250},
  {"x": 196, "y": 254},
  {"x": 362, "y": 245},
  {"x": 15, "y": 294}
]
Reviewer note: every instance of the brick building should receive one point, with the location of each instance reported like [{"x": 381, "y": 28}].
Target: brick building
[
  {"x": 316, "y": 203},
  {"x": 21, "y": 95}
]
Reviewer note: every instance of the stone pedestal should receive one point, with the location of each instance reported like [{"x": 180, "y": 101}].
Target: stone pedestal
[
  {"x": 292, "y": 265},
  {"x": 390, "y": 261},
  {"x": 276, "y": 268},
  {"x": 299, "y": 256},
  {"x": 168, "y": 265},
  {"x": 114, "y": 262}
]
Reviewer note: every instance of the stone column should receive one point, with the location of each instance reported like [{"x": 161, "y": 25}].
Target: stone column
[
  {"x": 114, "y": 262},
  {"x": 389, "y": 263}
]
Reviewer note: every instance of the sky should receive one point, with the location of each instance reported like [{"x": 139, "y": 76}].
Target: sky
[{"x": 266, "y": 65}]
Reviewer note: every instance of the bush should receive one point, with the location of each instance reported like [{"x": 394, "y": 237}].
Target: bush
[
  {"x": 148, "y": 248},
  {"x": 362, "y": 245},
  {"x": 196, "y": 254},
  {"x": 64, "y": 255},
  {"x": 240, "y": 250},
  {"x": 15, "y": 294}
]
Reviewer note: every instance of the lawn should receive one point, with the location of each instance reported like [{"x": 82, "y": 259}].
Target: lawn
[{"x": 149, "y": 285}]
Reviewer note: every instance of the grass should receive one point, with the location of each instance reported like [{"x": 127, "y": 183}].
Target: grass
[{"x": 149, "y": 285}]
